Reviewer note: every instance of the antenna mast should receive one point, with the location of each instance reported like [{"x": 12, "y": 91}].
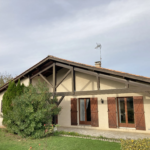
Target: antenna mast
[{"x": 99, "y": 46}]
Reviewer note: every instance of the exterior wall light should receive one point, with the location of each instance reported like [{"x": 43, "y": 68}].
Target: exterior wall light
[{"x": 102, "y": 101}]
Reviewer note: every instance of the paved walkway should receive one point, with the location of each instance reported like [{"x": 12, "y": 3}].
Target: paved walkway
[{"x": 106, "y": 133}]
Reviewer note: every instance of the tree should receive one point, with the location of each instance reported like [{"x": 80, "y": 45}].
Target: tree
[
  {"x": 4, "y": 78},
  {"x": 11, "y": 92},
  {"x": 19, "y": 88},
  {"x": 8, "y": 96},
  {"x": 32, "y": 112}
]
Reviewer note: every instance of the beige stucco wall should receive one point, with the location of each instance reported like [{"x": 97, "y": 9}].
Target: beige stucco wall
[
  {"x": 64, "y": 118},
  {"x": 85, "y": 83},
  {"x": 25, "y": 81},
  {"x": 1, "y": 97}
]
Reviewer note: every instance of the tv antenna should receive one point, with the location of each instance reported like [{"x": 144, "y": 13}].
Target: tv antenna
[{"x": 99, "y": 46}]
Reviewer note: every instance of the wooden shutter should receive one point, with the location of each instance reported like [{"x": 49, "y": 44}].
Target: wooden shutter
[
  {"x": 73, "y": 111},
  {"x": 139, "y": 113},
  {"x": 94, "y": 112},
  {"x": 112, "y": 118}
]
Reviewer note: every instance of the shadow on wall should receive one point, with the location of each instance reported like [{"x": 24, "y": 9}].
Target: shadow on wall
[{"x": 64, "y": 117}]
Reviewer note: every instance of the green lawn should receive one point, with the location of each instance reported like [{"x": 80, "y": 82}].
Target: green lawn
[{"x": 14, "y": 142}]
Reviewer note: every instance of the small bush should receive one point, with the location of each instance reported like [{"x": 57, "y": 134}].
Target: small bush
[{"x": 140, "y": 144}]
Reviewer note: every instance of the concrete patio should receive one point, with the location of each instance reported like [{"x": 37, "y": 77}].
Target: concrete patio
[{"x": 106, "y": 133}]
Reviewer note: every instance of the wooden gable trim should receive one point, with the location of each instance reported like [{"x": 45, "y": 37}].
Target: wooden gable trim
[
  {"x": 64, "y": 66},
  {"x": 54, "y": 77},
  {"x": 58, "y": 103},
  {"x": 45, "y": 80},
  {"x": 86, "y": 71},
  {"x": 111, "y": 78},
  {"x": 100, "y": 75},
  {"x": 73, "y": 80},
  {"x": 102, "y": 70},
  {"x": 70, "y": 64},
  {"x": 41, "y": 71},
  {"x": 63, "y": 78},
  {"x": 139, "y": 84}
]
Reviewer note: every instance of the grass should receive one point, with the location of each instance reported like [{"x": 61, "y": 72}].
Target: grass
[{"x": 13, "y": 142}]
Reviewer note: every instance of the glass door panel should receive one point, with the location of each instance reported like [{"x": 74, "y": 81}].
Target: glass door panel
[
  {"x": 130, "y": 110},
  {"x": 126, "y": 112},
  {"x": 88, "y": 110},
  {"x": 122, "y": 114},
  {"x": 82, "y": 110},
  {"x": 85, "y": 111}
]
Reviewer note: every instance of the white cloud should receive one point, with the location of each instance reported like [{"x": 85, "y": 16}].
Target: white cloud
[{"x": 119, "y": 25}]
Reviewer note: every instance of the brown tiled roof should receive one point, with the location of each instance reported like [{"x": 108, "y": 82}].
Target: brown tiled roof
[{"x": 100, "y": 69}]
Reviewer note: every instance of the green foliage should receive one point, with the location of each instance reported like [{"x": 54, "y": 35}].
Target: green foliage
[
  {"x": 4, "y": 78},
  {"x": 19, "y": 88},
  {"x": 32, "y": 112},
  {"x": 8, "y": 96},
  {"x": 11, "y": 92},
  {"x": 140, "y": 144}
]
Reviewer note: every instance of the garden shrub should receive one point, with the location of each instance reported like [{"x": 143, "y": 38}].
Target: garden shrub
[
  {"x": 32, "y": 112},
  {"x": 11, "y": 92},
  {"x": 140, "y": 144}
]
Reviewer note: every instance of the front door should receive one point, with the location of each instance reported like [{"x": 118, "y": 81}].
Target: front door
[
  {"x": 85, "y": 111},
  {"x": 126, "y": 112}
]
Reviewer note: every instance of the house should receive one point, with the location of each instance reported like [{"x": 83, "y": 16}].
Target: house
[{"x": 93, "y": 97}]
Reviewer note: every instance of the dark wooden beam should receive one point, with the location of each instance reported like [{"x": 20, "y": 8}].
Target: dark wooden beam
[
  {"x": 42, "y": 71},
  {"x": 45, "y": 80},
  {"x": 85, "y": 71},
  {"x": 113, "y": 78},
  {"x": 99, "y": 92},
  {"x": 64, "y": 77},
  {"x": 101, "y": 75},
  {"x": 30, "y": 81},
  {"x": 127, "y": 85},
  {"x": 54, "y": 77},
  {"x": 73, "y": 80},
  {"x": 60, "y": 100},
  {"x": 64, "y": 66},
  {"x": 98, "y": 69},
  {"x": 139, "y": 84},
  {"x": 98, "y": 83}
]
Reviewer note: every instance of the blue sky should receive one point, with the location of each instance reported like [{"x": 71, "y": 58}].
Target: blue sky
[{"x": 70, "y": 29}]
